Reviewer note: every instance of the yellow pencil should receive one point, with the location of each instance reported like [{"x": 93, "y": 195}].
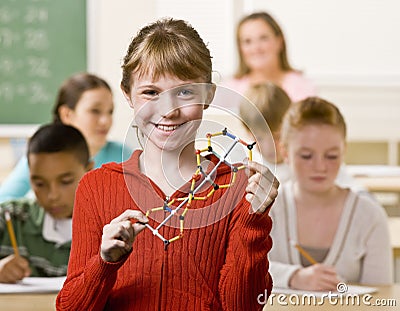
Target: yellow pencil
[
  {"x": 304, "y": 253},
  {"x": 11, "y": 232}
]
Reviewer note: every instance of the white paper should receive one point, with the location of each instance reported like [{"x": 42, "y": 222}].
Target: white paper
[
  {"x": 351, "y": 290},
  {"x": 34, "y": 285}
]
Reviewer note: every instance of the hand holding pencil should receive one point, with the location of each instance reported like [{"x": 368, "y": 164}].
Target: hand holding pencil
[
  {"x": 318, "y": 276},
  {"x": 13, "y": 267}
]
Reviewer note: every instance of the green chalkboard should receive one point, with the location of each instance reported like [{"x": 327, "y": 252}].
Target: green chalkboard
[{"x": 42, "y": 42}]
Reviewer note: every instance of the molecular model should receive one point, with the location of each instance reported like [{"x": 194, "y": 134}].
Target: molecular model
[{"x": 187, "y": 201}]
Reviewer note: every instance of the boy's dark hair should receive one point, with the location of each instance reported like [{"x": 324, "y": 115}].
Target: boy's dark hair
[{"x": 57, "y": 137}]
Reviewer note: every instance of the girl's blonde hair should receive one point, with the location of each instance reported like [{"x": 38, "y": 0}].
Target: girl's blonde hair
[
  {"x": 271, "y": 103},
  {"x": 311, "y": 111},
  {"x": 167, "y": 46}
]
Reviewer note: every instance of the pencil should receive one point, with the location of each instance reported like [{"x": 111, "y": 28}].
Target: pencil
[
  {"x": 304, "y": 253},
  {"x": 11, "y": 233}
]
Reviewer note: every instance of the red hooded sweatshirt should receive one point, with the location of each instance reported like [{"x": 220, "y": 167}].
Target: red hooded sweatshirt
[{"x": 220, "y": 263}]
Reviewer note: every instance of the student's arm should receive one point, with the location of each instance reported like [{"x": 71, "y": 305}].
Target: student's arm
[
  {"x": 245, "y": 282},
  {"x": 290, "y": 275},
  {"x": 281, "y": 273},
  {"x": 17, "y": 183},
  {"x": 377, "y": 267},
  {"x": 98, "y": 250},
  {"x": 89, "y": 279},
  {"x": 317, "y": 277}
]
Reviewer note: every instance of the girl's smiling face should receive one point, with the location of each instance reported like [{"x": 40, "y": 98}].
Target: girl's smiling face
[
  {"x": 168, "y": 111},
  {"x": 315, "y": 153}
]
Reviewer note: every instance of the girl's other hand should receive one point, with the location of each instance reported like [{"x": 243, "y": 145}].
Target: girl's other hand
[{"x": 262, "y": 187}]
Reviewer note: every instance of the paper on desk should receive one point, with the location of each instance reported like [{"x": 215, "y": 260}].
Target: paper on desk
[
  {"x": 351, "y": 290},
  {"x": 34, "y": 285}
]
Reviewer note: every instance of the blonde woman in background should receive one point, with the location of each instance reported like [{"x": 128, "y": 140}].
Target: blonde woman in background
[{"x": 262, "y": 52}]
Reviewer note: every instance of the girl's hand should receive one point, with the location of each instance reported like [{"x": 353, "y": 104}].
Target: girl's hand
[
  {"x": 13, "y": 268},
  {"x": 317, "y": 277},
  {"x": 120, "y": 233},
  {"x": 262, "y": 187}
]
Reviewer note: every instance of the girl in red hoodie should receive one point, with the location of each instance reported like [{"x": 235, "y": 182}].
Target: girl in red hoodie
[{"x": 219, "y": 259}]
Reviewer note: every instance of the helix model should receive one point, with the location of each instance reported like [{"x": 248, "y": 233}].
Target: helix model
[{"x": 187, "y": 201}]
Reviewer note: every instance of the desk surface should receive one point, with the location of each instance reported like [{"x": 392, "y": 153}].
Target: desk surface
[
  {"x": 387, "y": 296},
  {"x": 28, "y": 302}
]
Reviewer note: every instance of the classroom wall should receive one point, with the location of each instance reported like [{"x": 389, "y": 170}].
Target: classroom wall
[
  {"x": 349, "y": 48},
  {"x": 112, "y": 25}
]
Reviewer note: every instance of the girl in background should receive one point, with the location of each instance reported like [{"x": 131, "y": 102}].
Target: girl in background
[
  {"x": 268, "y": 103},
  {"x": 84, "y": 101},
  {"x": 346, "y": 233}
]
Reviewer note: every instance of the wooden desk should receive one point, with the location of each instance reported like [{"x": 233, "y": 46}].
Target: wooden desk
[
  {"x": 386, "y": 190},
  {"x": 384, "y": 292},
  {"x": 28, "y": 302}
]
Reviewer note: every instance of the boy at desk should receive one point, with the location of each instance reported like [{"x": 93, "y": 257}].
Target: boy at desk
[{"x": 35, "y": 235}]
